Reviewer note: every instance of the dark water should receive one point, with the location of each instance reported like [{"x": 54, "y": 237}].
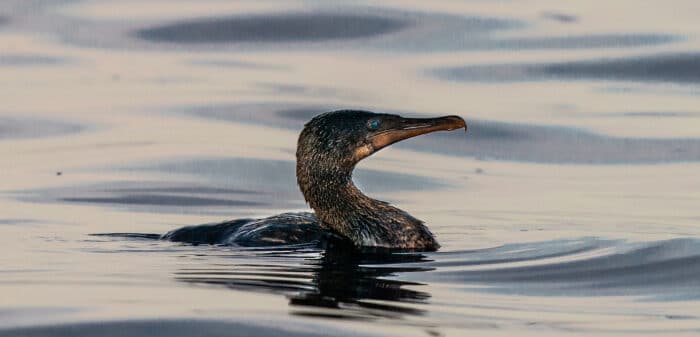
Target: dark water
[
  {"x": 274, "y": 28},
  {"x": 670, "y": 68},
  {"x": 570, "y": 207}
]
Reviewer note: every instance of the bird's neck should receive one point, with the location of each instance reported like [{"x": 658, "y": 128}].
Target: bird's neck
[
  {"x": 341, "y": 207},
  {"x": 333, "y": 195}
]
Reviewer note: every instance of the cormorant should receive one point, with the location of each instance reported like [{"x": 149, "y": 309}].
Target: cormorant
[{"x": 329, "y": 147}]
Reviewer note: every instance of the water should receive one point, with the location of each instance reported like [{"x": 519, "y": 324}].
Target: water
[{"x": 570, "y": 207}]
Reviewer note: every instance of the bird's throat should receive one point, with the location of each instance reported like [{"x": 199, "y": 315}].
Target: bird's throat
[{"x": 343, "y": 209}]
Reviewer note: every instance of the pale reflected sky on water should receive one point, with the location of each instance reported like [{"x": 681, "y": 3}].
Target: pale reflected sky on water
[{"x": 570, "y": 206}]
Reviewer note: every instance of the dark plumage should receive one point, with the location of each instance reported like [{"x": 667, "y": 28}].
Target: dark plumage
[{"x": 329, "y": 147}]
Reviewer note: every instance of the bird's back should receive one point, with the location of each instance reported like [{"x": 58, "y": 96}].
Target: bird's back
[{"x": 282, "y": 229}]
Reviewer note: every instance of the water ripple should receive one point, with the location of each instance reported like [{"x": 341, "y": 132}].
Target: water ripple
[
  {"x": 21, "y": 128},
  {"x": 426, "y": 289},
  {"x": 274, "y": 28},
  {"x": 389, "y": 284},
  {"x": 661, "y": 270},
  {"x": 487, "y": 139},
  {"x": 682, "y": 68}
]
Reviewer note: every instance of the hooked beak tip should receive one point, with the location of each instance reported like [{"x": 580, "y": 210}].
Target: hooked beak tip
[{"x": 455, "y": 122}]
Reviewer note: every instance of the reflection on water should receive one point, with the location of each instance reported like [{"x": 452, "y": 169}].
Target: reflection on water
[
  {"x": 578, "y": 267},
  {"x": 338, "y": 284},
  {"x": 385, "y": 286},
  {"x": 570, "y": 206}
]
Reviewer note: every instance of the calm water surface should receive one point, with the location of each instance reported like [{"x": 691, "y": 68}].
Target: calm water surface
[{"x": 570, "y": 207}]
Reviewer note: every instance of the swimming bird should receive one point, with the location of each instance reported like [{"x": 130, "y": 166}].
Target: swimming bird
[{"x": 329, "y": 147}]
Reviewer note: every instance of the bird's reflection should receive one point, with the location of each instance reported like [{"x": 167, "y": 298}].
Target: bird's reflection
[{"x": 331, "y": 284}]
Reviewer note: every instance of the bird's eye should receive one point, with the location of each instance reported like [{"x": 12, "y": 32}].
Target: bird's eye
[{"x": 373, "y": 124}]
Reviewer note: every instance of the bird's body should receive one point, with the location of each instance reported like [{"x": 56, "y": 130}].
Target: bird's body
[
  {"x": 329, "y": 147},
  {"x": 282, "y": 229}
]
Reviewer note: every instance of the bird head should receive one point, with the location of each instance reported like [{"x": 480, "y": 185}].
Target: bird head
[{"x": 338, "y": 140}]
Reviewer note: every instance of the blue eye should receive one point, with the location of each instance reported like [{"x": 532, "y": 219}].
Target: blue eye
[{"x": 373, "y": 124}]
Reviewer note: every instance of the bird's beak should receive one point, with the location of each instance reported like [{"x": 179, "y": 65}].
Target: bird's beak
[{"x": 404, "y": 128}]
